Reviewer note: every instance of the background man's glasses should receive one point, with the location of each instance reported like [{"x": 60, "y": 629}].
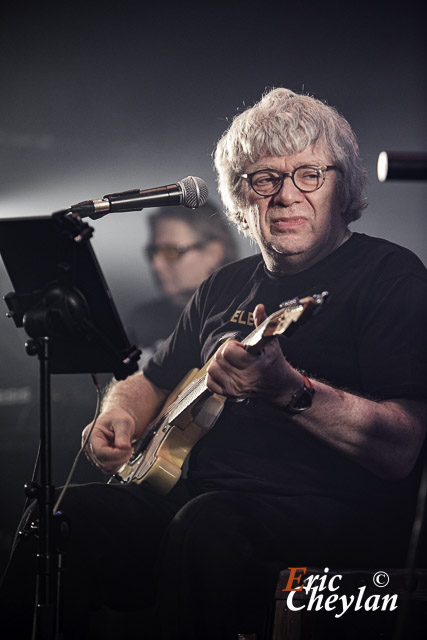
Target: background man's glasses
[
  {"x": 268, "y": 182},
  {"x": 170, "y": 252}
]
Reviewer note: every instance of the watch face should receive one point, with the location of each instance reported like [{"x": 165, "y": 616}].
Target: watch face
[
  {"x": 301, "y": 400},
  {"x": 304, "y": 401}
]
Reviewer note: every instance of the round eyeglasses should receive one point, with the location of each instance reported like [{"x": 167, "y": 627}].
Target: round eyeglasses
[
  {"x": 268, "y": 182},
  {"x": 170, "y": 252}
]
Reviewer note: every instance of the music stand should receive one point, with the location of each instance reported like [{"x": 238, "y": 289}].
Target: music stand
[{"x": 62, "y": 300}]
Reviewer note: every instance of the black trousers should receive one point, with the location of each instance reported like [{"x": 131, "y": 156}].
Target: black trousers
[{"x": 192, "y": 564}]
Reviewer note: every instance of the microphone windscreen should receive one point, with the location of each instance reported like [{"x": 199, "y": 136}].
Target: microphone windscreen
[{"x": 194, "y": 192}]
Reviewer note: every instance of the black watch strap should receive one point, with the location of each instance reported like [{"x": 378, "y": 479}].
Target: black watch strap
[{"x": 302, "y": 399}]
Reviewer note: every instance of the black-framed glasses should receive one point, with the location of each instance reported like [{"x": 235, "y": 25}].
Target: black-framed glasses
[
  {"x": 268, "y": 182},
  {"x": 171, "y": 252}
]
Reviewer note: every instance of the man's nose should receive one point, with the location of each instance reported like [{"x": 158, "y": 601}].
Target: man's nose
[
  {"x": 159, "y": 262},
  {"x": 288, "y": 194}
]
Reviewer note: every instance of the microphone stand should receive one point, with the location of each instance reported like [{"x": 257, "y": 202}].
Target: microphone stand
[
  {"x": 45, "y": 614},
  {"x": 74, "y": 327}
]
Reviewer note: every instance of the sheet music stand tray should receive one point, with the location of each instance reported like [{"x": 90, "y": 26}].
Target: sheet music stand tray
[{"x": 62, "y": 300}]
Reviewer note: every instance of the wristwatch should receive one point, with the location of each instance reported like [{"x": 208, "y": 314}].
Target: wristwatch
[{"x": 302, "y": 399}]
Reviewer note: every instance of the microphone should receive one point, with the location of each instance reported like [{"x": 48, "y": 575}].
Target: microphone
[
  {"x": 190, "y": 192},
  {"x": 394, "y": 165}
]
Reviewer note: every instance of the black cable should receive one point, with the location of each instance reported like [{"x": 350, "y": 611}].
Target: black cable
[
  {"x": 21, "y": 529},
  {"x": 80, "y": 451}
]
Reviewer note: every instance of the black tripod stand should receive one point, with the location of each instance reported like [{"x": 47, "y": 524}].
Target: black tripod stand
[{"x": 63, "y": 302}]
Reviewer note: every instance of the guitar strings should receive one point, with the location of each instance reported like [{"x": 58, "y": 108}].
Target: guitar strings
[
  {"x": 198, "y": 386},
  {"x": 187, "y": 397}
]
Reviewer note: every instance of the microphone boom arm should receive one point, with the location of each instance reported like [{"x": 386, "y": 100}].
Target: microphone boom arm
[{"x": 191, "y": 192}]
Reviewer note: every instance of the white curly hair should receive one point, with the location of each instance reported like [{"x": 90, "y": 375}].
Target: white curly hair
[{"x": 284, "y": 123}]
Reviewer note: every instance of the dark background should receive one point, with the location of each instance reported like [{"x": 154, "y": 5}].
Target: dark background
[{"x": 97, "y": 99}]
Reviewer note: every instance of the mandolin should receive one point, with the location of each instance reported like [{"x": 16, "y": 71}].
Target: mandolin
[{"x": 191, "y": 410}]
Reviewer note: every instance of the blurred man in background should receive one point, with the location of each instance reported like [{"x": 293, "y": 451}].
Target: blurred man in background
[{"x": 184, "y": 248}]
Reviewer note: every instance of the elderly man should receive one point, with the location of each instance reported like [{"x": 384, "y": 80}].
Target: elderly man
[{"x": 313, "y": 459}]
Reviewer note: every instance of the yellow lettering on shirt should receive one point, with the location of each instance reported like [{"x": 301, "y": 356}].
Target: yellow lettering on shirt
[{"x": 243, "y": 317}]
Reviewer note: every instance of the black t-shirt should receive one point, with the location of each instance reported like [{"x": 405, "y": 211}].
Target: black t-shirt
[
  {"x": 368, "y": 339},
  {"x": 150, "y": 323}
]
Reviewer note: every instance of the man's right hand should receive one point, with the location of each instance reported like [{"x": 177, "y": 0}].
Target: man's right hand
[{"x": 110, "y": 444}]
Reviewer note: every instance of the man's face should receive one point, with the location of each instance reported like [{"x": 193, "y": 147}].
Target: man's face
[
  {"x": 294, "y": 229},
  {"x": 181, "y": 276}
]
